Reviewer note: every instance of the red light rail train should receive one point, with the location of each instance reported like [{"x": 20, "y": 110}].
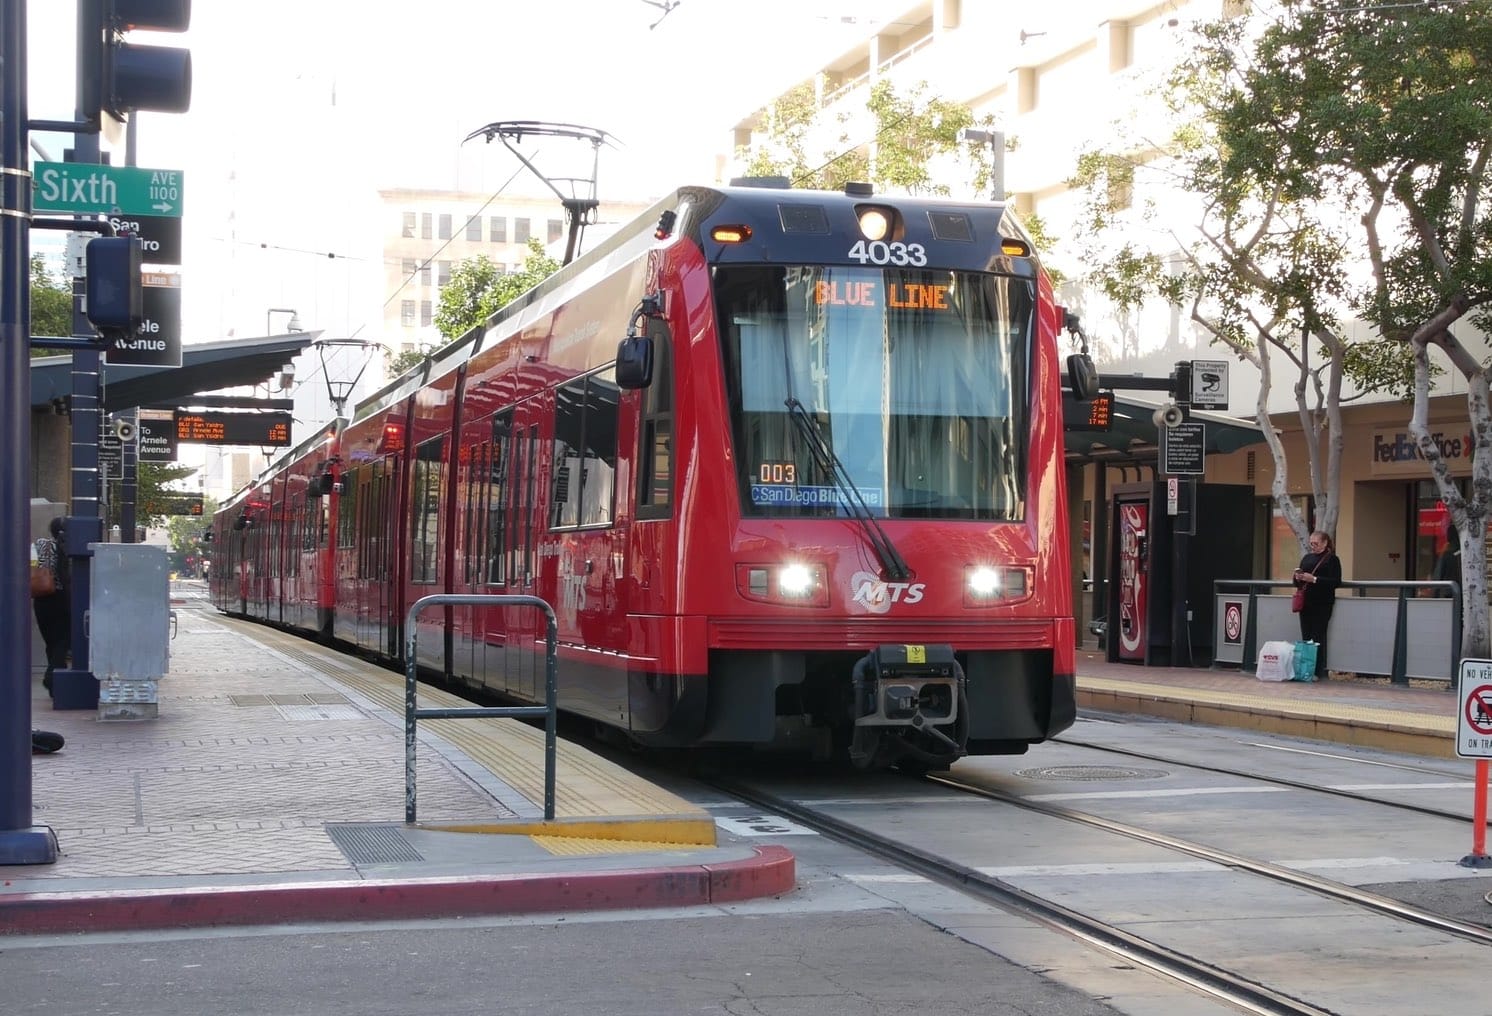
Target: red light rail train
[{"x": 787, "y": 464}]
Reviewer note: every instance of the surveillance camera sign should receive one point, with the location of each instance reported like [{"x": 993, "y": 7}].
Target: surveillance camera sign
[{"x": 1209, "y": 384}]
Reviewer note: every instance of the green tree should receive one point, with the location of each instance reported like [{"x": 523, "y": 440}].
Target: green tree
[
  {"x": 896, "y": 143},
  {"x": 1343, "y": 160},
  {"x": 476, "y": 291},
  {"x": 153, "y": 480},
  {"x": 184, "y": 537},
  {"x": 51, "y": 303},
  {"x": 401, "y": 362},
  {"x": 1262, "y": 274},
  {"x": 1386, "y": 113}
]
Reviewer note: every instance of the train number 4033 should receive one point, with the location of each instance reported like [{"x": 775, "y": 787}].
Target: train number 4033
[{"x": 879, "y": 252}]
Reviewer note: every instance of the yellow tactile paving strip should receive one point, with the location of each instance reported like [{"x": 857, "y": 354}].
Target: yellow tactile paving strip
[
  {"x": 572, "y": 846},
  {"x": 587, "y": 786},
  {"x": 1294, "y": 711}
]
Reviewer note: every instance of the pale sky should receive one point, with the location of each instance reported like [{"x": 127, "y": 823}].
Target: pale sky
[{"x": 301, "y": 110}]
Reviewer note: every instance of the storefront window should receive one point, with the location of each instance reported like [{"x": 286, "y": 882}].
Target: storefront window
[
  {"x": 1430, "y": 516},
  {"x": 1284, "y": 547}
]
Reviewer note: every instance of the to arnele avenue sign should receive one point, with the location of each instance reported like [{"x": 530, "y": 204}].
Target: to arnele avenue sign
[{"x": 79, "y": 188}]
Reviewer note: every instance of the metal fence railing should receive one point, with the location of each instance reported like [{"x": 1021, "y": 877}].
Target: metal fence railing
[
  {"x": 413, "y": 714},
  {"x": 1414, "y": 632}
]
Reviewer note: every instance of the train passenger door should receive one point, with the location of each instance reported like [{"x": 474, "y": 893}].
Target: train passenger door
[
  {"x": 426, "y": 498},
  {"x": 489, "y": 626},
  {"x": 375, "y": 560},
  {"x": 523, "y": 659},
  {"x": 469, "y": 575}
]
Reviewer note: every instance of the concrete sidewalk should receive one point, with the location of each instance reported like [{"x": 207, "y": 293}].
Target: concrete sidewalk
[{"x": 271, "y": 789}]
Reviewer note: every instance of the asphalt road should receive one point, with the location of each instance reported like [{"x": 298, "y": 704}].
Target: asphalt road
[{"x": 845, "y": 963}]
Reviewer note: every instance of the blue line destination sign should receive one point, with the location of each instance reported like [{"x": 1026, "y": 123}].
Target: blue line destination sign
[{"x": 81, "y": 188}]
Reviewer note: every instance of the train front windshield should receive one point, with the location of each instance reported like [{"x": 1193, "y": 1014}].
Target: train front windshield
[{"x": 914, "y": 379}]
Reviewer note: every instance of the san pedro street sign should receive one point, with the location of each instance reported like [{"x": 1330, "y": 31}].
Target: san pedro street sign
[{"x": 81, "y": 188}]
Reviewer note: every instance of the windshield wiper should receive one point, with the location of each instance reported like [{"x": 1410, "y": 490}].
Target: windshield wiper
[{"x": 892, "y": 563}]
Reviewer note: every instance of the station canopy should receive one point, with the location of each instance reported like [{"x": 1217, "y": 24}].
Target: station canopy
[
  {"x": 1133, "y": 437},
  {"x": 205, "y": 367}
]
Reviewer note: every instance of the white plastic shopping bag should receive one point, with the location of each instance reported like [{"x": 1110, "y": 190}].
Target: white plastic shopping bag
[{"x": 1276, "y": 662}]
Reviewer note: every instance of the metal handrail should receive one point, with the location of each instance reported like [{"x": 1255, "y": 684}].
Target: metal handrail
[
  {"x": 1399, "y": 668},
  {"x": 413, "y": 713}
]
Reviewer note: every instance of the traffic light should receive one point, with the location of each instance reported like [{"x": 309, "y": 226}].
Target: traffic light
[
  {"x": 113, "y": 298},
  {"x": 133, "y": 77}
]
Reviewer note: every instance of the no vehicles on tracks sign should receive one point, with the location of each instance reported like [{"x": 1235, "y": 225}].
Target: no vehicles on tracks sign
[{"x": 1474, "y": 721}]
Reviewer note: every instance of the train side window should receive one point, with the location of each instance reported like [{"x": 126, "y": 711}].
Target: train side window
[
  {"x": 296, "y": 525},
  {"x": 655, "y": 445},
  {"x": 585, "y": 429},
  {"x": 471, "y": 467},
  {"x": 365, "y": 523},
  {"x": 497, "y": 497},
  {"x": 525, "y": 516},
  {"x": 424, "y": 559},
  {"x": 347, "y": 509},
  {"x": 313, "y": 532}
]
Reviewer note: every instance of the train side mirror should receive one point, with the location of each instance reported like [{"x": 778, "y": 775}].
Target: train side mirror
[
  {"x": 634, "y": 362},
  {"x": 1082, "y": 377},
  {"x": 326, "y": 484}
]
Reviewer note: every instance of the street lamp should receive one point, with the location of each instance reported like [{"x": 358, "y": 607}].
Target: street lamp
[
  {"x": 338, "y": 386},
  {"x": 996, "y": 142},
  {"x": 293, "y": 325}
]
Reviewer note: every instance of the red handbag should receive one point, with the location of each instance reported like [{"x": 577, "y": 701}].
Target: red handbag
[{"x": 1297, "y": 602}]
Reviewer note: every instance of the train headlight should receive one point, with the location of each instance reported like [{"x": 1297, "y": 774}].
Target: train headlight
[
  {"x": 794, "y": 583},
  {"x": 986, "y": 585},
  {"x": 874, "y": 224},
  {"x": 795, "y": 580},
  {"x": 983, "y": 582}
]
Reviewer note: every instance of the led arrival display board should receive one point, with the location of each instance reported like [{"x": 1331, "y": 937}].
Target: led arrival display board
[
  {"x": 1095, "y": 414},
  {"x": 264, "y": 430}
]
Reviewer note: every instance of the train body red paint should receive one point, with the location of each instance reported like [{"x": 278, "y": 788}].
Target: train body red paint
[{"x": 816, "y": 499}]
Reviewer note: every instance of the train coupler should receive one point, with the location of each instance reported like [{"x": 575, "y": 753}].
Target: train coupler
[
  {"x": 910, "y": 708},
  {"x": 907, "y": 685}
]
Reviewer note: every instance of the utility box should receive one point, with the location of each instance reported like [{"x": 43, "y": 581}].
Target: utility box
[{"x": 129, "y": 628}]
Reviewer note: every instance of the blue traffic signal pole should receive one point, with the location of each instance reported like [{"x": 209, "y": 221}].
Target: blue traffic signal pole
[
  {"x": 76, "y": 687},
  {"x": 21, "y": 842}
]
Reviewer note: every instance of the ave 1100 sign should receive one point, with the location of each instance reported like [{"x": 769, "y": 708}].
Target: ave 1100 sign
[{"x": 262, "y": 429}]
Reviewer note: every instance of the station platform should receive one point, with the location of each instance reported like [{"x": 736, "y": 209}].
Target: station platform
[
  {"x": 270, "y": 789},
  {"x": 1418, "y": 718}
]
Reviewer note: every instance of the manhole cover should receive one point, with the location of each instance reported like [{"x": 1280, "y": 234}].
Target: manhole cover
[{"x": 1091, "y": 773}]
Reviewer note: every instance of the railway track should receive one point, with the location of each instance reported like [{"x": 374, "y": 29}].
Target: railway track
[{"x": 1211, "y": 975}]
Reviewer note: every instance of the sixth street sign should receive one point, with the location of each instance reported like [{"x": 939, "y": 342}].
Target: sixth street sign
[{"x": 81, "y": 188}]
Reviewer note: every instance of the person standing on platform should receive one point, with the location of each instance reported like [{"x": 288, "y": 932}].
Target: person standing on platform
[
  {"x": 1320, "y": 573},
  {"x": 52, "y": 609}
]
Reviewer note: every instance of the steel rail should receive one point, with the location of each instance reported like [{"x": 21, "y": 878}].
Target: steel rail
[{"x": 1224, "y": 985}]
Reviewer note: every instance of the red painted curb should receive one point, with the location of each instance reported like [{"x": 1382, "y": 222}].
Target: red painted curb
[{"x": 771, "y": 871}]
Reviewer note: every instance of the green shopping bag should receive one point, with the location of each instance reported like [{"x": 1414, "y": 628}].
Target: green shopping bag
[{"x": 1305, "y": 661}]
